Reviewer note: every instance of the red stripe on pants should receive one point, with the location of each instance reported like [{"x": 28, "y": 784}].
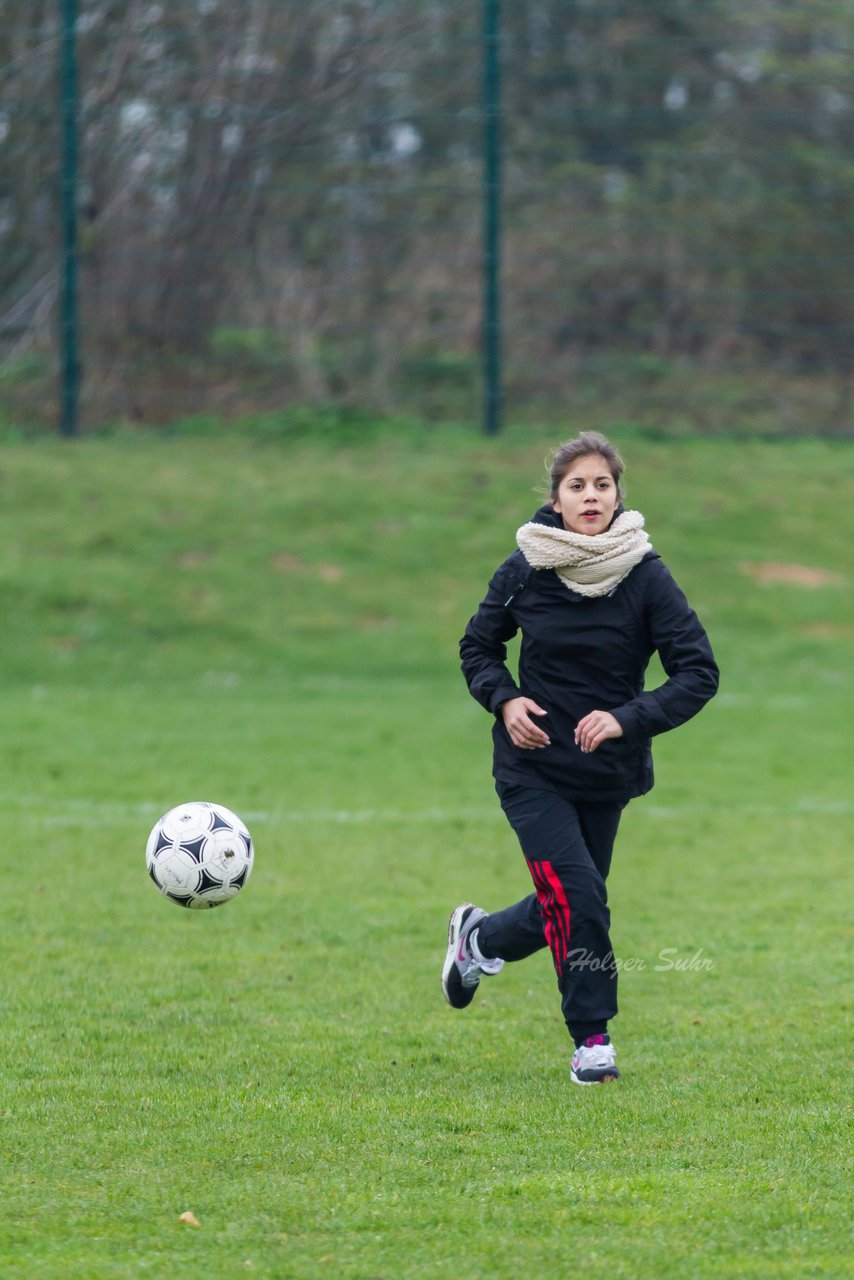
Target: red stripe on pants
[{"x": 554, "y": 906}]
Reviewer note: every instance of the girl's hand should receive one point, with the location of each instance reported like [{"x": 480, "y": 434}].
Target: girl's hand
[
  {"x": 523, "y": 732},
  {"x": 595, "y": 728}
]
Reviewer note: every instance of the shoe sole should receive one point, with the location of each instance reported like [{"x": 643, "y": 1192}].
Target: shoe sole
[
  {"x": 454, "y": 925},
  {"x": 606, "y": 1079}
]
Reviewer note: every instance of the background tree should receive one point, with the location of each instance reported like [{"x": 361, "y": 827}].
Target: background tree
[{"x": 281, "y": 201}]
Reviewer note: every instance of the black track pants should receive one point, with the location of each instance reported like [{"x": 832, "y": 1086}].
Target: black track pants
[{"x": 567, "y": 846}]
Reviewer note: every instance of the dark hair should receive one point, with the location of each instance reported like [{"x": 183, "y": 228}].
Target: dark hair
[{"x": 588, "y": 442}]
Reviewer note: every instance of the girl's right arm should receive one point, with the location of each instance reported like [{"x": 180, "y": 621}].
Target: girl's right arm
[{"x": 483, "y": 648}]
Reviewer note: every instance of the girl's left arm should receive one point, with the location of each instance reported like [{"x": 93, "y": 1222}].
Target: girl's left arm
[{"x": 686, "y": 655}]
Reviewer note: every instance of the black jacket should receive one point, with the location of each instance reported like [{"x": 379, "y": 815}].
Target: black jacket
[{"x": 579, "y": 655}]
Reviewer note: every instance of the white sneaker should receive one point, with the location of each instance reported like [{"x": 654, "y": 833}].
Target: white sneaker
[
  {"x": 594, "y": 1063},
  {"x": 464, "y": 965}
]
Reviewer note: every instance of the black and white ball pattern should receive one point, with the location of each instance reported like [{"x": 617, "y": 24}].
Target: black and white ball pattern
[{"x": 199, "y": 854}]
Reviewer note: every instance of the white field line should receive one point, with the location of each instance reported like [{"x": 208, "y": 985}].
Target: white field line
[{"x": 66, "y": 812}]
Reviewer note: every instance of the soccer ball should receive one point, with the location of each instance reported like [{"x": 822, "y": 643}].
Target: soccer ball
[{"x": 199, "y": 854}]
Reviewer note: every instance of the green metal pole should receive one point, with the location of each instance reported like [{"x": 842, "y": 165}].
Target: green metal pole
[
  {"x": 492, "y": 216},
  {"x": 69, "y": 317}
]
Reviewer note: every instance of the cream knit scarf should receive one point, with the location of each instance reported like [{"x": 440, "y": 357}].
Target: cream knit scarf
[{"x": 590, "y": 564}]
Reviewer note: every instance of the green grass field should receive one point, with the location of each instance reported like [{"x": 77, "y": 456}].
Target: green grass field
[{"x": 276, "y": 628}]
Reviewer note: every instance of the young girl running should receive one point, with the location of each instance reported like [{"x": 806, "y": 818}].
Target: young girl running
[{"x": 593, "y": 602}]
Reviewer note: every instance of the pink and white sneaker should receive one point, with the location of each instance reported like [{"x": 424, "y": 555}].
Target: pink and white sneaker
[
  {"x": 464, "y": 965},
  {"x": 594, "y": 1062}
]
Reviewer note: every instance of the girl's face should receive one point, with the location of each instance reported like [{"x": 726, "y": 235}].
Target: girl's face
[{"x": 587, "y": 496}]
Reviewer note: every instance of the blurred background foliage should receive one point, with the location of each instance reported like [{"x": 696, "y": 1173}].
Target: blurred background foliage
[{"x": 280, "y": 205}]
